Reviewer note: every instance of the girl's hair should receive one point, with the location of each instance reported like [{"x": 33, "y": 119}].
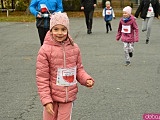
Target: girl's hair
[
  {"x": 70, "y": 39},
  {"x": 108, "y": 2}
]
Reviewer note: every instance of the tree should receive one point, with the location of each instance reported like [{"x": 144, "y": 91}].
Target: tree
[
  {"x": 27, "y": 10},
  {"x": 2, "y": 4},
  {"x": 13, "y": 4}
]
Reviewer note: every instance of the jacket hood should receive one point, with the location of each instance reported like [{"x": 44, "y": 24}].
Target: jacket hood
[
  {"x": 49, "y": 40},
  {"x": 132, "y": 18}
]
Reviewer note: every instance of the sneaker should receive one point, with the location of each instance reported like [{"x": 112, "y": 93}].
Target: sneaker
[
  {"x": 130, "y": 54},
  {"x": 147, "y": 41},
  {"x": 127, "y": 63},
  {"x": 89, "y": 31}
]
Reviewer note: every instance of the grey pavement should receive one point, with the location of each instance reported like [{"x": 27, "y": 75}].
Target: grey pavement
[{"x": 120, "y": 92}]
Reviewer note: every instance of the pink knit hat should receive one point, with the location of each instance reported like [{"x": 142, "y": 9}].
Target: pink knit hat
[
  {"x": 59, "y": 18},
  {"x": 128, "y": 9}
]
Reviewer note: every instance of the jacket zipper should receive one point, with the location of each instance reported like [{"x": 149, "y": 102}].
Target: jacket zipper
[
  {"x": 64, "y": 56},
  {"x": 64, "y": 65}
]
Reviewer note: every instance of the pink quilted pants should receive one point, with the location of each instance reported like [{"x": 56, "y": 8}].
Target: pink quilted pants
[{"x": 63, "y": 111}]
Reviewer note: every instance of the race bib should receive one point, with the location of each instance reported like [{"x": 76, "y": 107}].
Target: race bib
[
  {"x": 126, "y": 29},
  {"x": 43, "y": 8},
  {"x": 150, "y": 11},
  {"x": 66, "y": 76},
  {"x": 108, "y": 12}
]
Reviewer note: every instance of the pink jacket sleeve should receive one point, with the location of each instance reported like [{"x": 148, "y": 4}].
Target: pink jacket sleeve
[
  {"x": 82, "y": 75},
  {"x": 42, "y": 77},
  {"x": 119, "y": 33},
  {"x": 136, "y": 35}
]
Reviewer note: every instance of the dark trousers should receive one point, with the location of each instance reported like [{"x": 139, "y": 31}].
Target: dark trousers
[
  {"x": 108, "y": 26},
  {"x": 89, "y": 18},
  {"x": 42, "y": 33}
]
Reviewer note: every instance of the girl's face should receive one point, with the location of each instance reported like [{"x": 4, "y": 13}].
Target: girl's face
[
  {"x": 108, "y": 5},
  {"x": 59, "y": 33},
  {"x": 125, "y": 14}
]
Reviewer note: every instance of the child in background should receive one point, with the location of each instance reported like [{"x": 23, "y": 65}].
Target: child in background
[
  {"x": 128, "y": 32},
  {"x": 108, "y": 14},
  {"x": 58, "y": 69}
]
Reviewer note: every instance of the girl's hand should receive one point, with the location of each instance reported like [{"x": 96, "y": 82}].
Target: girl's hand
[
  {"x": 94, "y": 5},
  {"x": 49, "y": 108},
  {"x": 90, "y": 83},
  {"x": 39, "y": 15}
]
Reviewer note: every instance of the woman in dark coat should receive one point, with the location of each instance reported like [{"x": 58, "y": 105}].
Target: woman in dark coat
[{"x": 88, "y": 7}]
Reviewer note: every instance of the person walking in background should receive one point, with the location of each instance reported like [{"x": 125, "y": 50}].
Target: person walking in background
[
  {"x": 88, "y": 6},
  {"x": 42, "y": 9},
  {"x": 58, "y": 69},
  {"x": 108, "y": 15},
  {"x": 148, "y": 9},
  {"x": 128, "y": 33}
]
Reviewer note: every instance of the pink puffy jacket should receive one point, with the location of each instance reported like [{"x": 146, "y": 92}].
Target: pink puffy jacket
[{"x": 51, "y": 56}]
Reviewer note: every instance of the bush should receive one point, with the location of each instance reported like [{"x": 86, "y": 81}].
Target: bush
[
  {"x": 21, "y": 5},
  {"x": 71, "y": 5}
]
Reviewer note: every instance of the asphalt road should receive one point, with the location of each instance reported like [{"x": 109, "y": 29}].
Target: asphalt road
[{"x": 120, "y": 92}]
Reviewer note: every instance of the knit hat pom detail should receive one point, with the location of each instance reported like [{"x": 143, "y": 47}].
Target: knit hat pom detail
[{"x": 59, "y": 19}]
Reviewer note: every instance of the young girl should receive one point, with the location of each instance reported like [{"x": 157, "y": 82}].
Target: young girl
[
  {"x": 58, "y": 69},
  {"x": 128, "y": 32},
  {"x": 108, "y": 14}
]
